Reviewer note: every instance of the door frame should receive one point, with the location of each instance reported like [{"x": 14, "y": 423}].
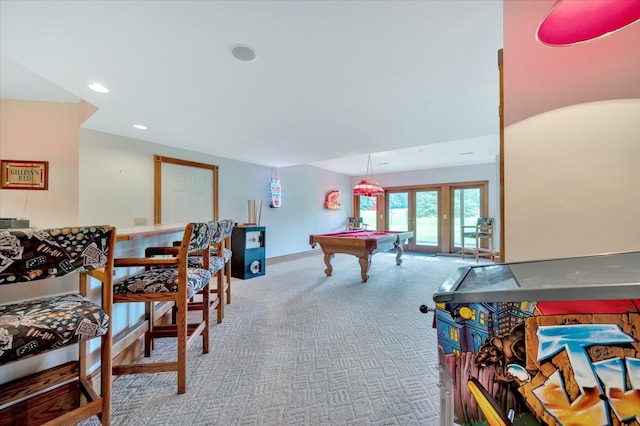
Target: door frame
[
  {"x": 411, "y": 214},
  {"x": 484, "y": 206},
  {"x": 157, "y": 183}
]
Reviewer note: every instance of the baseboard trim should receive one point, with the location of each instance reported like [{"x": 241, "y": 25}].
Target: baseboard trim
[{"x": 293, "y": 256}]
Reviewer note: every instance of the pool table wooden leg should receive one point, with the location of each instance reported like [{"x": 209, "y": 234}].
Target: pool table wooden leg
[
  {"x": 327, "y": 261},
  {"x": 365, "y": 262}
]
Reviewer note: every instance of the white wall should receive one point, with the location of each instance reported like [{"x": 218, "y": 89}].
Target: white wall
[
  {"x": 573, "y": 184},
  {"x": 477, "y": 172},
  {"x": 116, "y": 185}
]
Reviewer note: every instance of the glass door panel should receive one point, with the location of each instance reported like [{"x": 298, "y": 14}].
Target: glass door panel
[
  {"x": 398, "y": 211},
  {"x": 466, "y": 210},
  {"x": 427, "y": 219},
  {"x": 368, "y": 209},
  {"x": 415, "y": 210}
]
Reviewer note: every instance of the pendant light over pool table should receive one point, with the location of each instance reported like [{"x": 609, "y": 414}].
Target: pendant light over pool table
[
  {"x": 367, "y": 187},
  {"x": 571, "y": 22}
]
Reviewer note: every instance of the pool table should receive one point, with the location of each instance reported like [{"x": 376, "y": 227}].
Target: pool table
[{"x": 363, "y": 244}]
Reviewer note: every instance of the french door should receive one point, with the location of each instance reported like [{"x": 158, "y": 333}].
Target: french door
[
  {"x": 416, "y": 210},
  {"x": 435, "y": 213},
  {"x": 467, "y": 208}
]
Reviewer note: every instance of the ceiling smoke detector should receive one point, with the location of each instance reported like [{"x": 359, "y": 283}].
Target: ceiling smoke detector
[{"x": 243, "y": 53}]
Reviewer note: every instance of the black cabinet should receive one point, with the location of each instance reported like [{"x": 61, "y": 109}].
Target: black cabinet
[{"x": 247, "y": 246}]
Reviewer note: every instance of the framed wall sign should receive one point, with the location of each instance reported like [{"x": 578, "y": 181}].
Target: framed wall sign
[{"x": 24, "y": 174}]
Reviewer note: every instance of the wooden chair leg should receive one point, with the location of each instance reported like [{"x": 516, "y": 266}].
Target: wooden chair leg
[
  {"x": 206, "y": 311},
  {"x": 220, "y": 286},
  {"x": 151, "y": 320},
  {"x": 105, "y": 375},
  {"x": 182, "y": 344},
  {"x": 227, "y": 274}
]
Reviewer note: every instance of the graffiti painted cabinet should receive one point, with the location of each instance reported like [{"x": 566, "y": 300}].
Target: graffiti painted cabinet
[{"x": 554, "y": 342}]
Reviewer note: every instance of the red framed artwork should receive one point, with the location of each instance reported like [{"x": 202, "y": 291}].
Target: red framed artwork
[{"x": 18, "y": 174}]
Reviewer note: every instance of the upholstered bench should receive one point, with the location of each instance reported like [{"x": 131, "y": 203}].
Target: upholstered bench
[{"x": 37, "y": 326}]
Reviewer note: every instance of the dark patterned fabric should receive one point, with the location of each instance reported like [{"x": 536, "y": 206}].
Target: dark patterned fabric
[
  {"x": 215, "y": 263},
  {"x": 163, "y": 280},
  {"x": 28, "y": 254},
  {"x": 482, "y": 222},
  {"x": 217, "y": 232},
  {"x": 228, "y": 225},
  {"x": 226, "y": 255},
  {"x": 32, "y": 327},
  {"x": 36, "y": 326},
  {"x": 473, "y": 234},
  {"x": 200, "y": 236}
]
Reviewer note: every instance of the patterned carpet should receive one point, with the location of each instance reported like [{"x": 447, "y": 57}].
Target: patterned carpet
[{"x": 299, "y": 348}]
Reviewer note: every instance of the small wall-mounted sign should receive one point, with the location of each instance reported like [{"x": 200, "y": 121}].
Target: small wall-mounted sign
[
  {"x": 24, "y": 174},
  {"x": 331, "y": 202},
  {"x": 275, "y": 193}
]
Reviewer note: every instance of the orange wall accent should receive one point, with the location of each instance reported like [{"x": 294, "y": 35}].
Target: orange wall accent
[
  {"x": 571, "y": 141},
  {"x": 539, "y": 78},
  {"x": 45, "y": 131}
]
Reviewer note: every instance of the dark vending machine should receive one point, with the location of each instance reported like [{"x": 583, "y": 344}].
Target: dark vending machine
[{"x": 248, "y": 255}]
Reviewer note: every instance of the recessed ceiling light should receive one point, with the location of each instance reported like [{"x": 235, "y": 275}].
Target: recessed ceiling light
[
  {"x": 97, "y": 87},
  {"x": 466, "y": 153},
  {"x": 383, "y": 164},
  {"x": 140, "y": 126},
  {"x": 422, "y": 150},
  {"x": 243, "y": 53}
]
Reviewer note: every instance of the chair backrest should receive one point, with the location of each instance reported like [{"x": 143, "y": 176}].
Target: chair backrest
[
  {"x": 199, "y": 234},
  {"x": 217, "y": 232},
  {"x": 228, "y": 225},
  {"x": 484, "y": 222},
  {"x": 33, "y": 254}
]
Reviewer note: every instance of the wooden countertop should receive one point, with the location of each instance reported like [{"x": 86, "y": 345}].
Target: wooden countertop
[{"x": 139, "y": 232}]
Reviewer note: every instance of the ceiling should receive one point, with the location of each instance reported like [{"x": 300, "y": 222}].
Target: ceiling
[{"x": 413, "y": 83}]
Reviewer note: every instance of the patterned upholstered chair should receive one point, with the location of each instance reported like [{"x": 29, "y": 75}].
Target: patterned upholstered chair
[
  {"x": 219, "y": 263},
  {"x": 170, "y": 279},
  {"x": 228, "y": 230},
  {"x": 216, "y": 267},
  {"x": 482, "y": 231},
  {"x": 37, "y": 326}
]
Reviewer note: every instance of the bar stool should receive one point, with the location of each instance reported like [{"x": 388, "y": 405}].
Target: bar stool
[
  {"x": 228, "y": 225},
  {"x": 62, "y": 393},
  {"x": 482, "y": 231},
  {"x": 216, "y": 267},
  {"x": 170, "y": 279}
]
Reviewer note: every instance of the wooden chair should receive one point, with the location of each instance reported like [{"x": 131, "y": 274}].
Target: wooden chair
[
  {"x": 170, "y": 279},
  {"x": 482, "y": 231},
  {"x": 64, "y": 393},
  {"x": 228, "y": 225},
  {"x": 216, "y": 267}
]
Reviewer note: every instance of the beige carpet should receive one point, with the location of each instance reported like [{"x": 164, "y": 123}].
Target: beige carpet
[{"x": 299, "y": 348}]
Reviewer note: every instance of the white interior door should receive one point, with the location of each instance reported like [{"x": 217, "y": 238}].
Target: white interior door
[{"x": 186, "y": 194}]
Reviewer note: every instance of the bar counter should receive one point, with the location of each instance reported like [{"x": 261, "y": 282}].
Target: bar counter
[{"x": 148, "y": 231}]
